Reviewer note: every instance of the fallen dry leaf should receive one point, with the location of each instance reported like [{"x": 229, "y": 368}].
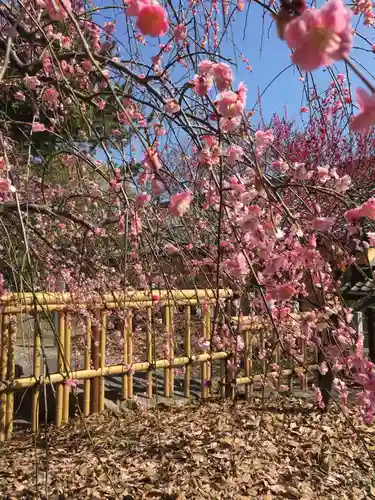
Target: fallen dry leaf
[{"x": 211, "y": 450}]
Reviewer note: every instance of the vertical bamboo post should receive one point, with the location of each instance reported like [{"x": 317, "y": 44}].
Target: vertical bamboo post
[
  {"x": 223, "y": 362},
  {"x": 149, "y": 351},
  {"x": 167, "y": 384},
  {"x": 205, "y": 367},
  {"x": 223, "y": 378},
  {"x": 4, "y": 362},
  {"x": 86, "y": 387},
  {"x": 124, "y": 380},
  {"x": 67, "y": 358},
  {"x": 129, "y": 336},
  {"x": 36, "y": 371},
  {"x": 103, "y": 343},
  {"x": 277, "y": 356},
  {"x": 187, "y": 350},
  {"x": 95, "y": 361},
  {"x": 11, "y": 375},
  {"x": 248, "y": 363},
  {"x": 61, "y": 368},
  {"x": 291, "y": 367},
  {"x": 303, "y": 381},
  {"x": 171, "y": 348}
]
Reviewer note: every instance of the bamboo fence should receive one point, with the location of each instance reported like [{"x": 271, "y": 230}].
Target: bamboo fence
[{"x": 95, "y": 368}]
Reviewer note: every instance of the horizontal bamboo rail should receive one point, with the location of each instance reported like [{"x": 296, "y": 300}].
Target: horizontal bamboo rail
[
  {"x": 65, "y": 298},
  {"x": 144, "y": 366}
]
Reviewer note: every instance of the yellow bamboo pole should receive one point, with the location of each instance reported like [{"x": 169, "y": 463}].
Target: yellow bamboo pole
[
  {"x": 4, "y": 363},
  {"x": 187, "y": 350},
  {"x": 171, "y": 347},
  {"x": 303, "y": 381},
  {"x": 37, "y": 373},
  {"x": 205, "y": 368},
  {"x": 87, "y": 365},
  {"x": 167, "y": 384},
  {"x": 11, "y": 374},
  {"x": 103, "y": 343},
  {"x": 95, "y": 358},
  {"x": 113, "y": 370},
  {"x": 124, "y": 381},
  {"x": 248, "y": 363},
  {"x": 73, "y": 306},
  {"x": 149, "y": 351},
  {"x": 99, "y": 301},
  {"x": 67, "y": 389},
  {"x": 291, "y": 368},
  {"x": 61, "y": 368},
  {"x": 130, "y": 353},
  {"x": 223, "y": 362}
]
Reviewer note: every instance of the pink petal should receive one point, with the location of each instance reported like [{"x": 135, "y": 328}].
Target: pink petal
[{"x": 362, "y": 122}]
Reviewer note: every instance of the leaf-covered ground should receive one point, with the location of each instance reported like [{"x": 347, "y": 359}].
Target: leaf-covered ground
[{"x": 212, "y": 450}]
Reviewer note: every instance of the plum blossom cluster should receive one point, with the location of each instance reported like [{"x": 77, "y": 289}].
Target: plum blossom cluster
[
  {"x": 152, "y": 18},
  {"x": 365, "y": 210},
  {"x": 173, "y": 187},
  {"x": 319, "y": 37},
  {"x": 230, "y": 105}
]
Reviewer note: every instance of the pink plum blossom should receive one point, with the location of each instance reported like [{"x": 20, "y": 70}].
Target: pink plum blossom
[
  {"x": 31, "y": 82},
  {"x": 141, "y": 199},
  {"x": 323, "y": 174},
  {"x": 180, "y": 33},
  {"x": 205, "y": 67},
  {"x": 319, "y": 37},
  {"x": 6, "y": 186},
  {"x": 366, "y": 117},
  {"x": 202, "y": 84},
  {"x": 323, "y": 223},
  {"x": 171, "y": 249},
  {"x": 58, "y": 10},
  {"x": 229, "y": 105},
  {"x": 180, "y": 203},
  {"x": 172, "y": 107},
  {"x": 134, "y": 6},
  {"x": 152, "y": 20},
  {"x": 223, "y": 76},
  {"x": 50, "y": 96},
  {"x": 38, "y": 127},
  {"x": 157, "y": 186},
  {"x": 234, "y": 153},
  {"x": 263, "y": 139},
  {"x": 365, "y": 210}
]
